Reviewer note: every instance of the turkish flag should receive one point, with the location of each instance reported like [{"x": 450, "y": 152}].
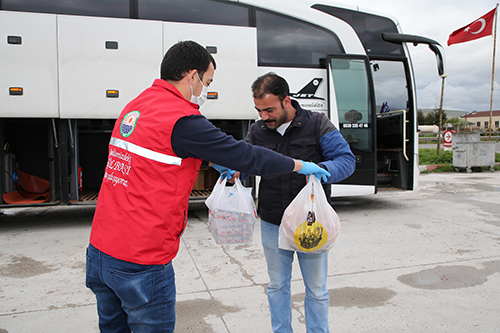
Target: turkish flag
[{"x": 481, "y": 27}]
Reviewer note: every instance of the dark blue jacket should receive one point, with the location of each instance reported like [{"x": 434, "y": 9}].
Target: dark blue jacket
[
  {"x": 195, "y": 136},
  {"x": 310, "y": 137}
]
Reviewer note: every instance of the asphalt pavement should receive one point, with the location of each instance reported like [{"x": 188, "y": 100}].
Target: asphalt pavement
[{"x": 420, "y": 261}]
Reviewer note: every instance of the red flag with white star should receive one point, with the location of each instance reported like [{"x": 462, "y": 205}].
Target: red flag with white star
[{"x": 481, "y": 27}]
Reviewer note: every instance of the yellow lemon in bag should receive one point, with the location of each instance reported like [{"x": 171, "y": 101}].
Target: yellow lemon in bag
[{"x": 310, "y": 235}]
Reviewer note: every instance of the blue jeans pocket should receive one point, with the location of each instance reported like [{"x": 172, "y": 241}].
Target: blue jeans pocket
[
  {"x": 135, "y": 290},
  {"x": 88, "y": 273}
]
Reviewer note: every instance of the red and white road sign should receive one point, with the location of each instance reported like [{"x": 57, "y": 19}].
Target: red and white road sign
[{"x": 447, "y": 136}]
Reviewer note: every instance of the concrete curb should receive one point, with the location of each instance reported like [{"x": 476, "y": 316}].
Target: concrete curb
[{"x": 432, "y": 167}]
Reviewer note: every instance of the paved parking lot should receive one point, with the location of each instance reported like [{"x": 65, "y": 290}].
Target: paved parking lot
[{"x": 421, "y": 261}]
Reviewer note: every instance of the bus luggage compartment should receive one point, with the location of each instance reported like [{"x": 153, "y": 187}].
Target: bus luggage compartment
[{"x": 28, "y": 162}]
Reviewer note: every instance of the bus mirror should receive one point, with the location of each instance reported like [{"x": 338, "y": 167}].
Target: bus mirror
[
  {"x": 438, "y": 50},
  {"x": 433, "y": 45}
]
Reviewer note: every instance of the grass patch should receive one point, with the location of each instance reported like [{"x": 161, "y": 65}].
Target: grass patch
[{"x": 429, "y": 156}]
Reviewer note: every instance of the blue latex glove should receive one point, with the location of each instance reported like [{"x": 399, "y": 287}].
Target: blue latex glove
[
  {"x": 312, "y": 168},
  {"x": 225, "y": 172}
]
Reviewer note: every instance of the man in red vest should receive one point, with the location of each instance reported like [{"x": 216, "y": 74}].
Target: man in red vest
[{"x": 155, "y": 152}]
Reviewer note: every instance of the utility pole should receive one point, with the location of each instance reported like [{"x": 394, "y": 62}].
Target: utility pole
[{"x": 440, "y": 114}]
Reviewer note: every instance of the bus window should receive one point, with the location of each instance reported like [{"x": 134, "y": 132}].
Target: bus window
[
  {"x": 352, "y": 95},
  {"x": 390, "y": 85},
  {"x": 105, "y": 8},
  {"x": 194, "y": 11},
  {"x": 282, "y": 40},
  {"x": 369, "y": 28}
]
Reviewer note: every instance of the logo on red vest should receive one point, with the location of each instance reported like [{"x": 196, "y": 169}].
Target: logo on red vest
[{"x": 128, "y": 123}]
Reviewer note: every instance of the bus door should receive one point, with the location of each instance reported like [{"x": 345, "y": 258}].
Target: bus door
[
  {"x": 395, "y": 130},
  {"x": 351, "y": 101}
]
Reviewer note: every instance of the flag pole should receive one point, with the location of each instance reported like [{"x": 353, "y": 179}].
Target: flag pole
[
  {"x": 440, "y": 114},
  {"x": 493, "y": 71}
]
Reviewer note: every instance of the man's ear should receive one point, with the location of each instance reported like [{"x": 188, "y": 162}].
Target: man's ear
[
  {"x": 190, "y": 75},
  {"x": 287, "y": 102}
]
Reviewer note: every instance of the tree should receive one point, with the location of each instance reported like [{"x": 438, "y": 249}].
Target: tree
[
  {"x": 432, "y": 117},
  {"x": 420, "y": 117},
  {"x": 458, "y": 123}
]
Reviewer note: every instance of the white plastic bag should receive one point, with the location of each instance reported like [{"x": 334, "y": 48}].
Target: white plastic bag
[
  {"x": 309, "y": 223},
  {"x": 231, "y": 213}
]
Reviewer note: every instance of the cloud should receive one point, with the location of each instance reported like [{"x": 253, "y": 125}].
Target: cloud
[{"x": 466, "y": 97}]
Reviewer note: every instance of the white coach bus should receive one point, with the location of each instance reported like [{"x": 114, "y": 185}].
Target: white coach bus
[{"x": 68, "y": 68}]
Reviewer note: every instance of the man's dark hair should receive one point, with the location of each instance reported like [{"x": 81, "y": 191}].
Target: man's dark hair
[
  {"x": 183, "y": 57},
  {"x": 270, "y": 83}
]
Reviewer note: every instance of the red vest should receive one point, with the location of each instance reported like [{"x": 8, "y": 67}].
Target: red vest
[{"x": 143, "y": 203}]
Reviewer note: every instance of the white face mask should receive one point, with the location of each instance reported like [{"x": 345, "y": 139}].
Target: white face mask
[{"x": 203, "y": 95}]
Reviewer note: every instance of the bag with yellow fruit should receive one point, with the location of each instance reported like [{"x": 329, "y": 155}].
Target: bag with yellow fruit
[{"x": 309, "y": 223}]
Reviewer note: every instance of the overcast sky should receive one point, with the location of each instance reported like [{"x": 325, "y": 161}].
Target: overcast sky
[{"x": 468, "y": 85}]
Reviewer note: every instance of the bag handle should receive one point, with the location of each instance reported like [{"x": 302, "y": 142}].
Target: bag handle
[
  {"x": 311, "y": 215},
  {"x": 216, "y": 192},
  {"x": 238, "y": 184}
]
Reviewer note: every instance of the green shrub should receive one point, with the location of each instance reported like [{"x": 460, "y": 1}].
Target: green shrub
[{"x": 429, "y": 156}]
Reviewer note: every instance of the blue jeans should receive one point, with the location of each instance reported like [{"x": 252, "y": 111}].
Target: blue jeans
[
  {"x": 131, "y": 297},
  {"x": 314, "y": 268}
]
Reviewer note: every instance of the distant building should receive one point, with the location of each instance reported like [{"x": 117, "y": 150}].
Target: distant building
[
  {"x": 449, "y": 113},
  {"x": 481, "y": 119}
]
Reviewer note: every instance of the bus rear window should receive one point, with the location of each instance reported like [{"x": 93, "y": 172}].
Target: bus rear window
[
  {"x": 104, "y": 8},
  {"x": 194, "y": 11},
  {"x": 284, "y": 41},
  {"x": 369, "y": 28}
]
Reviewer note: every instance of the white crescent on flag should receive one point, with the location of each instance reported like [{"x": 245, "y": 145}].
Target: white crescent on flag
[{"x": 483, "y": 24}]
